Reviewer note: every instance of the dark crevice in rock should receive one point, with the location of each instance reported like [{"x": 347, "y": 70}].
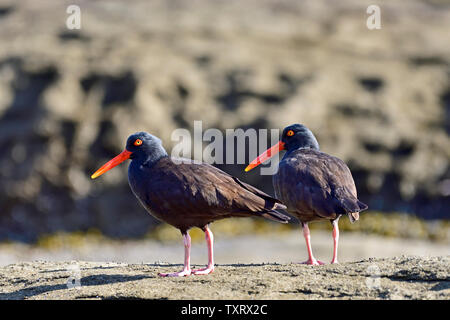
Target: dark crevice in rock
[
  {"x": 445, "y": 100},
  {"x": 122, "y": 298},
  {"x": 5, "y": 11},
  {"x": 353, "y": 111},
  {"x": 68, "y": 129},
  {"x": 291, "y": 83},
  {"x": 103, "y": 145},
  {"x": 28, "y": 88},
  {"x": 371, "y": 84},
  {"x": 232, "y": 99},
  {"x": 183, "y": 92},
  {"x": 65, "y": 36},
  {"x": 404, "y": 149},
  {"x": 88, "y": 296},
  {"x": 411, "y": 277},
  {"x": 441, "y": 285},
  {"x": 21, "y": 120},
  {"x": 14, "y": 62},
  {"x": 257, "y": 124},
  {"x": 203, "y": 60},
  {"x": 102, "y": 279},
  {"x": 118, "y": 89},
  {"x": 374, "y": 147},
  {"x": 427, "y": 61},
  {"x": 88, "y": 82},
  {"x": 180, "y": 120}
]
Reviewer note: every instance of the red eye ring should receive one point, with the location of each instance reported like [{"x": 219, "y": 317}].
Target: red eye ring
[
  {"x": 290, "y": 133},
  {"x": 138, "y": 142}
]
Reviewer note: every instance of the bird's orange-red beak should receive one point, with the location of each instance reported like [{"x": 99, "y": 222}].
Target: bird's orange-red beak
[
  {"x": 266, "y": 155},
  {"x": 124, "y": 155}
]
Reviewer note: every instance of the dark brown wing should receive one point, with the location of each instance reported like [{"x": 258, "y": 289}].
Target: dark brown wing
[
  {"x": 194, "y": 194},
  {"x": 316, "y": 185}
]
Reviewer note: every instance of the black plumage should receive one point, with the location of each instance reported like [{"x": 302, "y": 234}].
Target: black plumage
[
  {"x": 187, "y": 194},
  {"x": 312, "y": 184},
  {"x": 316, "y": 186}
]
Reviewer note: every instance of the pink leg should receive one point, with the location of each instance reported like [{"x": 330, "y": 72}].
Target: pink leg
[
  {"x": 187, "y": 256},
  {"x": 335, "y": 240},
  {"x": 209, "y": 241},
  {"x": 311, "y": 260}
]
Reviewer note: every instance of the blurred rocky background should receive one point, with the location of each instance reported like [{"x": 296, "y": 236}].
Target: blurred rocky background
[{"x": 378, "y": 99}]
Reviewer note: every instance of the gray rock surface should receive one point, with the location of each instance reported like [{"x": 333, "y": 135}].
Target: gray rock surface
[{"x": 405, "y": 277}]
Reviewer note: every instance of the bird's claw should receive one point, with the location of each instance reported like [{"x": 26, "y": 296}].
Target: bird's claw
[
  {"x": 203, "y": 271},
  {"x": 313, "y": 262},
  {"x": 183, "y": 273},
  {"x": 334, "y": 262}
]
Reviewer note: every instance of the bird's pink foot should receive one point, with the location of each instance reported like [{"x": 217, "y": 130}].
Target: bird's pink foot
[
  {"x": 203, "y": 271},
  {"x": 313, "y": 262},
  {"x": 334, "y": 261},
  {"x": 183, "y": 273}
]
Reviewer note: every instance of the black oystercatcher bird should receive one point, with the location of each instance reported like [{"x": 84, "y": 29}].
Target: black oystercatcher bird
[
  {"x": 186, "y": 195},
  {"x": 312, "y": 184}
]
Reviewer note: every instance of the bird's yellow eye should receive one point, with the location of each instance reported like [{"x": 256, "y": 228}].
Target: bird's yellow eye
[
  {"x": 138, "y": 142},
  {"x": 290, "y": 133}
]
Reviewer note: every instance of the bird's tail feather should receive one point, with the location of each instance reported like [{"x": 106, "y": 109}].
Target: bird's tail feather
[
  {"x": 276, "y": 215},
  {"x": 362, "y": 205},
  {"x": 352, "y": 208}
]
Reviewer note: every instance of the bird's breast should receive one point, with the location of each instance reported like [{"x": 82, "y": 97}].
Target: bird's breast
[{"x": 141, "y": 183}]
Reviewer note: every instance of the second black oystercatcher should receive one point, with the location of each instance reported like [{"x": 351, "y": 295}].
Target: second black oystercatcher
[
  {"x": 312, "y": 184},
  {"x": 185, "y": 194}
]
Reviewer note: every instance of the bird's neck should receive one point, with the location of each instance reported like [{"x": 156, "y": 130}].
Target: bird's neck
[
  {"x": 303, "y": 145},
  {"x": 148, "y": 160}
]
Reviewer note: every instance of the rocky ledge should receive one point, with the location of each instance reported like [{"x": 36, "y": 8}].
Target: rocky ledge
[{"x": 405, "y": 277}]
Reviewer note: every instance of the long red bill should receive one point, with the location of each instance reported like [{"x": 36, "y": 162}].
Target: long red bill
[
  {"x": 124, "y": 155},
  {"x": 266, "y": 155}
]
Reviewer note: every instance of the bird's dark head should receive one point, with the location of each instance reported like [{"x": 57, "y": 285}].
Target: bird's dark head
[
  {"x": 294, "y": 137},
  {"x": 298, "y": 136},
  {"x": 141, "y": 146}
]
